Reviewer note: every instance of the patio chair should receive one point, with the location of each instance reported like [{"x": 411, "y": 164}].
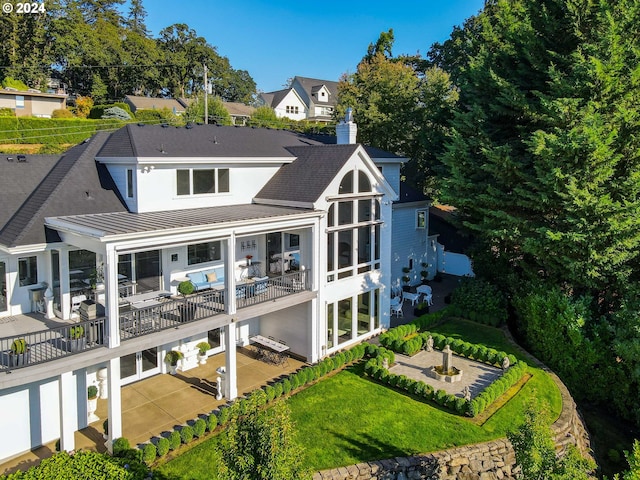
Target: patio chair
[
  {"x": 75, "y": 303},
  {"x": 397, "y": 310}
]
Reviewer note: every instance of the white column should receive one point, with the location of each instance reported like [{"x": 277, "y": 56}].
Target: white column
[
  {"x": 111, "y": 297},
  {"x": 67, "y": 394},
  {"x": 231, "y": 384},
  {"x": 230, "y": 275},
  {"x": 115, "y": 402},
  {"x": 65, "y": 295}
]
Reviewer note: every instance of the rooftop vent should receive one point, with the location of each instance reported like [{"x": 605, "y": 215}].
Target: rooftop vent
[
  {"x": 141, "y": 124},
  {"x": 9, "y": 159},
  {"x": 165, "y": 125},
  {"x": 189, "y": 126},
  {"x": 22, "y": 158}
]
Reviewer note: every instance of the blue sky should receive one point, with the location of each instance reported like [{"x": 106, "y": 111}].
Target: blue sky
[{"x": 276, "y": 40}]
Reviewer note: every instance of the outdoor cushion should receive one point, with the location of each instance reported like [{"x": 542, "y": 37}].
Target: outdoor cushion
[
  {"x": 197, "y": 277},
  {"x": 212, "y": 277}
]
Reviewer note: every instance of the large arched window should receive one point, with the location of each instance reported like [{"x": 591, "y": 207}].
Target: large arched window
[{"x": 353, "y": 228}]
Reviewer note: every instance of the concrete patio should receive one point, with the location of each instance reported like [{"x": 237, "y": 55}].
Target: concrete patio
[{"x": 162, "y": 402}]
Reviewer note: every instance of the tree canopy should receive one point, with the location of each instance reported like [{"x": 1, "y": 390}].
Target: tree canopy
[
  {"x": 95, "y": 49},
  {"x": 543, "y": 158}
]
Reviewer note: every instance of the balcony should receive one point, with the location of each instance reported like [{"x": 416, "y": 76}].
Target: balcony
[
  {"x": 51, "y": 344},
  {"x": 146, "y": 317}
]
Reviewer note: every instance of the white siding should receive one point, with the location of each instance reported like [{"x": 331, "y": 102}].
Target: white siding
[{"x": 408, "y": 242}]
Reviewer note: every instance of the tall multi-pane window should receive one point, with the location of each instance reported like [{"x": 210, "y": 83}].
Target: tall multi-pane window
[
  {"x": 353, "y": 223},
  {"x": 129, "y": 183}
]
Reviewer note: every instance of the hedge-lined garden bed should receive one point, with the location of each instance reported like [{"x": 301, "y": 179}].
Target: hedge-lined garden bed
[{"x": 409, "y": 339}]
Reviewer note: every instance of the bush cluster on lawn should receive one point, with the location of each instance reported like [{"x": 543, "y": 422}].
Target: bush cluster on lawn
[
  {"x": 479, "y": 301},
  {"x": 256, "y": 399},
  {"x": 85, "y": 464},
  {"x": 405, "y": 338}
]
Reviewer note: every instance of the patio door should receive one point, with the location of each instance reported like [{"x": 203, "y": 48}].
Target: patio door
[
  {"x": 139, "y": 365},
  {"x": 4, "y": 301}
]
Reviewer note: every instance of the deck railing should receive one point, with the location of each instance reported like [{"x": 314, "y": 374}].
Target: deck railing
[
  {"x": 137, "y": 320},
  {"x": 268, "y": 289},
  {"x": 143, "y": 319},
  {"x": 51, "y": 344}
]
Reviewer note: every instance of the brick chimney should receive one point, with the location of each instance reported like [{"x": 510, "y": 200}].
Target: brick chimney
[{"x": 346, "y": 130}]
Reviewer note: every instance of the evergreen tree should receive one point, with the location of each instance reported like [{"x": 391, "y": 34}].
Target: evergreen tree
[{"x": 543, "y": 160}]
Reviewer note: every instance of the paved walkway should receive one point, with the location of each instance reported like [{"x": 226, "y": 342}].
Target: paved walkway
[{"x": 475, "y": 375}]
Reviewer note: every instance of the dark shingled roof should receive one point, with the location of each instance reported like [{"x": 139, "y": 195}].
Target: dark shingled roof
[
  {"x": 75, "y": 185},
  {"x": 201, "y": 141},
  {"x": 305, "y": 179}
]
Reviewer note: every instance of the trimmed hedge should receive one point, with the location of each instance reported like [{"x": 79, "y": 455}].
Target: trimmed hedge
[
  {"x": 52, "y": 131},
  {"x": 375, "y": 369},
  {"x": 479, "y": 301}
]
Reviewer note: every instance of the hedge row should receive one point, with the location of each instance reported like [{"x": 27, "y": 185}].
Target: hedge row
[
  {"x": 52, "y": 130},
  {"x": 479, "y": 301},
  {"x": 508, "y": 379},
  {"x": 408, "y": 340},
  {"x": 242, "y": 406}
]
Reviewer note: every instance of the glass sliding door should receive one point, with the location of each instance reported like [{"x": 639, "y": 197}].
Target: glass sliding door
[
  {"x": 139, "y": 365},
  {"x": 55, "y": 274},
  {"x": 148, "y": 271}
]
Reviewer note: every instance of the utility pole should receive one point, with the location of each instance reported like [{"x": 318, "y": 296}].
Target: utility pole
[{"x": 206, "y": 92}]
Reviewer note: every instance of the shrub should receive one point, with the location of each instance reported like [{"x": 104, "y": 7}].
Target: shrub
[
  {"x": 286, "y": 386},
  {"x": 163, "y": 446},
  {"x": 199, "y": 427},
  {"x": 61, "y": 113},
  {"x": 120, "y": 445},
  {"x": 295, "y": 380},
  {"x": 186, "y": 434},
  {"x": 149, "y": 453},
  {"x": 440, "y": 397},
  {"x": 212, "y": 422},
  {"x": 478, "y": 300},
  {"x": 278, "y": 389},
  {"x": 7, "y": 112},
  {"x": 174, "y": 440},
  {"x": 271, "y": 393}
]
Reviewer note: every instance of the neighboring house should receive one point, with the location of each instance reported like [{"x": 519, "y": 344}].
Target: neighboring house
[
  {"x": 284, "y": 235},
  {"x": 32, "y": 103},
  {"x": 137, "y": 103},
  {"x": 307, "y": 99},
  {"x": 240, "y": 113}
]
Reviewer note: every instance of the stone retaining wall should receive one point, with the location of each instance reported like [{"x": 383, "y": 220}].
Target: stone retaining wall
[{"x": 493, "y": 460}]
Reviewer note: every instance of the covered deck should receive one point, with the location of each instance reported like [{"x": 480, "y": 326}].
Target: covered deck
[{"x": 48, "y": 340}]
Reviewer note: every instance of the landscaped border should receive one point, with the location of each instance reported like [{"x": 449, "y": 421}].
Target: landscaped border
[{"x": 409, "y": 339}]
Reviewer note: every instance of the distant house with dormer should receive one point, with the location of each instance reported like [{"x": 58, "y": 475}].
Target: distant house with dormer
[{"x": 307, "y": 99}]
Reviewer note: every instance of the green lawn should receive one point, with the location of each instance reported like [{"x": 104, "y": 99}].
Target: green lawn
[{"x": 348, "y": 418}]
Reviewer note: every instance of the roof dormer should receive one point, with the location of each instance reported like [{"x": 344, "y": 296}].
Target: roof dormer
[{"x": 320, "y": 94}]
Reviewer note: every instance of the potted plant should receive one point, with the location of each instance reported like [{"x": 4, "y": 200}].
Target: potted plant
[
  {"x": 105, "y": 426},
  {"x": 187, "y": 310},
  {"x": 77, "y": 340},
  {"x": 172, "y": 357},
  {"x": 92, "y": 403},
  {"x": 20, "y": 354},
  {"x": 203, "y": 348},
  {"x": 96, "y": 279},
  {"x": 249, "y": 257},
  {"x": 406, "y": 279},
  {"x": 424, "y": 273},
  {"x": 420, "y": 309}
]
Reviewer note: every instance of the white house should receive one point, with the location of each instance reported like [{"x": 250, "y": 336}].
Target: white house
[
  {"x": 306, "y": 99},
  {"x": 284, "y": 235}
]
